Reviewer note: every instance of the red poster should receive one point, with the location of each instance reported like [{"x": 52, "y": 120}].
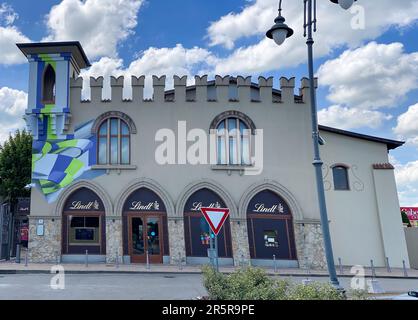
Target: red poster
[
  {"x": 411, "y": 212},
  {"x": 24, "y": 233}
]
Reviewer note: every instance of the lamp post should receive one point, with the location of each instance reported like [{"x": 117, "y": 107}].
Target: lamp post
[{"x": 279, "y": 32}]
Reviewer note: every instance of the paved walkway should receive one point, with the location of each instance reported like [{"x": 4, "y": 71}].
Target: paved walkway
[{"x": 12, "y": 267}]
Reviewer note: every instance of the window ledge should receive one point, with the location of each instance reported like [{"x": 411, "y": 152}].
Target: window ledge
[
  {"x": 229, "y": 168},
  {"x": 113, "y": 167}
]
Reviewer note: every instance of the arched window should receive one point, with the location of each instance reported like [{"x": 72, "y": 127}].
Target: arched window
[
  {"x": 113, "y": 141},
  {"x": 233, "y": 142},
  {"x": 340, "y": 175},
  {"x": 48, "y": 92}
]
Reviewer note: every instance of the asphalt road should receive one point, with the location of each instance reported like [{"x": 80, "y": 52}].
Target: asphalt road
[{"x": 134, "y": 286}]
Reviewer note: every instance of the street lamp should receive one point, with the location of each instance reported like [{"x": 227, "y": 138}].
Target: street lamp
[{"x": 279, "y": 32}]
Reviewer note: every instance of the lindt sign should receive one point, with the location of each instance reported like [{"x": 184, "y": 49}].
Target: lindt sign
[
  {"x": 197, "y": 205},
  {"x": 262, "y": 208},
  {"x": 78, "y": 205},
  {"x": 139, "y": 206},
  {"x": 411, "y": 212}
]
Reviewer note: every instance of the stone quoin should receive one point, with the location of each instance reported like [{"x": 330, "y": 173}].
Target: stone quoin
[{"x": 98, "y": 187}]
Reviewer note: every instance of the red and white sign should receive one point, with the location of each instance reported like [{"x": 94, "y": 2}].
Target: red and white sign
[
  {"x": 216, "y": 217},
  {"x": 411, "y": 212}
]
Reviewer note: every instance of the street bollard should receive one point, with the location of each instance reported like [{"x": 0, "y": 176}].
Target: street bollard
[
  {"x": 18, "y": 253},
  {"x": 87, "y": 258},
  {"x": 148, "y": 266},
  {"x": 373, "y": 269},
  {"x": 274, "y": 263},
  {"x": 26, "y": 257},
  {"x": 117, "y": 259},
  {"x": 388, "y": 269},
  {"x": 340, "y": 266},
  {"x": 180, "y": 262},
  {"x": 405, "y": 272},
  {"x": 58, "y": 258}
]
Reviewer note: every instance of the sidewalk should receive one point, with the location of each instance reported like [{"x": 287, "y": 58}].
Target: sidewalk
[{"x": 8, "y": 267}]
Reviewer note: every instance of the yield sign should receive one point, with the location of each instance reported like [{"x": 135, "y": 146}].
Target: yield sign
[{"x": 215, "y": 217}]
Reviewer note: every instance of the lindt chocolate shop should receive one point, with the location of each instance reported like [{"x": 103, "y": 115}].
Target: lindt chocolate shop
[{"x": 146, "y": 234}]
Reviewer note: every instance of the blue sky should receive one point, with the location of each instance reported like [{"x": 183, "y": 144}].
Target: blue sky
[{"x": 368, "y": 76}]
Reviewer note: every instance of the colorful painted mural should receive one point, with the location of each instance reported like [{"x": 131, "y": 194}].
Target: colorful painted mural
[{"x": 58, "y": 158}]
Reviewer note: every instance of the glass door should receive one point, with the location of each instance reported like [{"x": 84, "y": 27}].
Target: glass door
[{"x": 145, "y": 238}]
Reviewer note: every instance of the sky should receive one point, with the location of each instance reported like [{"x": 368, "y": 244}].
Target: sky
[{"x": 366, "y": 58}]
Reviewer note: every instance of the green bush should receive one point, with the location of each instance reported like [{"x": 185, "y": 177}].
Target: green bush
[
  {"x": 255, "y": 284},
  {"x": 314, "y": 291}
]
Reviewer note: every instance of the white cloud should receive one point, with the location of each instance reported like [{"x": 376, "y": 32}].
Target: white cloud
[
  {"x": 407, "y": 125},
  {"x": 7, "y": 14},
  {"x": 351, "y": 118},
  {"x": 12, "y": 107},
  {"x": 371, "y": 77},
  {"x": 100, "y": 25},
  {"x": 9, "y": 36},
  {"x": 154, "y": 61},
  {"x": 334, "y": 25},
  {"x": 407, "y": 181}
]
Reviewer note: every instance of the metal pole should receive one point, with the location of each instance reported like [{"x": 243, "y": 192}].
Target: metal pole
[
  {"x": 388, "y": 269},
  {"x": 211, "y": 260},
  {"x": 18, "y": 253},
  {"x": 117, "y": 258},
  {"x": 58, "y": 259},
  {"x": 148, "y": 266},
  {"x": 317, "y": 159},
  {"x": 26, "y": 256},
  {"x": 87, "y": 258},
  {"x": 274, "y": 263},
  {"x": 341, "y": 266},
  {"x": 216, "y": 253},
  {"x": 373, "y": 269},
  {"x": 405, "y": 272}
]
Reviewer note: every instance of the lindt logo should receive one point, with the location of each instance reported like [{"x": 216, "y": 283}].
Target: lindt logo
[
  {"x": 197, "y": 205},
  {"x": 78, "y": 205},
  {"x": 137, "y": 205},
  {"x": 276, "y": 208}
]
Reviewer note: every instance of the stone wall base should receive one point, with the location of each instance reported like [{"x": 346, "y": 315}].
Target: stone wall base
[
  {"x": 240, "y": 246},
  {"x": 310, "y": 246},
  {"x": 45, "y": 248},
  {"x": 176, "y": 241}
]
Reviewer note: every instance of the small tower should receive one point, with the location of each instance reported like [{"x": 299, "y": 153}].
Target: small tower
[{"x": 52, "y": 64}]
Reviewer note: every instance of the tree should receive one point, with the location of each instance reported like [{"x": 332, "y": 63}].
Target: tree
[{"x": 15, "y": 165}]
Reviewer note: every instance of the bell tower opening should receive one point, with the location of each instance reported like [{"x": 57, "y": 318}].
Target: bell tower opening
[{"x": 48, "y": 92}]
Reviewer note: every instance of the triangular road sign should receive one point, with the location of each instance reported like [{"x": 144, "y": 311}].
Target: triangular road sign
[{"x": 215, "y": 217}]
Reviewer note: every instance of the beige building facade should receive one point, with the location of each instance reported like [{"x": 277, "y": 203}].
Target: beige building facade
[{"x": 100, "y": 184}]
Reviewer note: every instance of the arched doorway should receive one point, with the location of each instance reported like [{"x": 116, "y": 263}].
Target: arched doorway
[
  {"x": 270, "y": 230},
  {"x": 197, "y": 231},
  {"x": 84, "y": 224},
  {"x": 145, "y": 229}
]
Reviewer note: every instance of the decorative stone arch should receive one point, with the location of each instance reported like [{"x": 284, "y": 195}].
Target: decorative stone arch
[
  {"x": 149, "y": 184},
  {"x": 211, "y": 185},
  {"x": 233, "y": 114},
  {"x": 340, "y": 164},
  {"x": 276, "y": 188},
  {"x": 114, "y": 114},
  {"x": 101, "y": 193}
]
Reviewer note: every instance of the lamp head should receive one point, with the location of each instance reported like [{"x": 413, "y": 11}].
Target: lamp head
[
  {"x": 279, "y": 31},
  {"x": 345, "y": 4}
]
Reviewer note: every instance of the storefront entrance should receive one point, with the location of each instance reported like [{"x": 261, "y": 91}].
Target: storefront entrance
[
  {"x": 84, "y": 224},
  {"x": 197, "y": 231},
  {"x": 270, "y": 229},
  {"x": 145, "y": 230},
  {"x": 145, "y": 237}
]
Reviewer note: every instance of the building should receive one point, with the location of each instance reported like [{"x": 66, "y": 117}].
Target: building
[{"x": 100, "y": 185}]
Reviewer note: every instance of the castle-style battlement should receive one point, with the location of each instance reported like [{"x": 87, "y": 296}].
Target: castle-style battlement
[{"x": 224, "y": 89}]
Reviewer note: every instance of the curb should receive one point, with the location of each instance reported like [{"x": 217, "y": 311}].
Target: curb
[{"x": 108, "y": 272}]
